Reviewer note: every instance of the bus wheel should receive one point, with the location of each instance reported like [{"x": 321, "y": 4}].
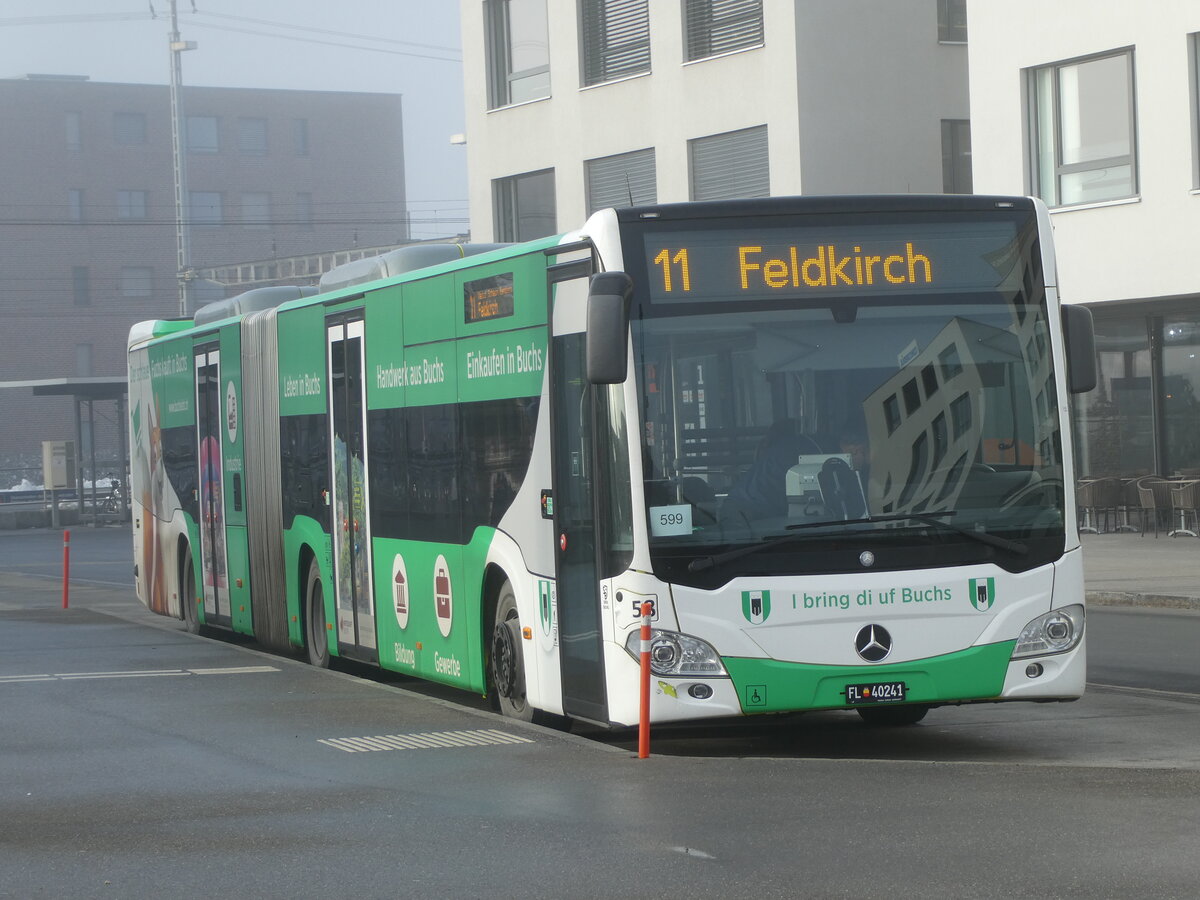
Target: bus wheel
[
  {"x": 317, "y": 637},
  {"x": 187, "y": 596},
  {"x": 890, "y": 716},
  {"x": 506, "y": 665}
]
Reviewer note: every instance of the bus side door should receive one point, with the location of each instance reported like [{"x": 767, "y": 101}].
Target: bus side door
[
  {"x": 581, "y": 652},
  {"x": 214, "y": 564},
  {"x": 345, "y": 358}
]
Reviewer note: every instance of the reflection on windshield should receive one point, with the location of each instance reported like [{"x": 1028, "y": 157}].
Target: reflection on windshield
[{"x": 760, "y": 420}]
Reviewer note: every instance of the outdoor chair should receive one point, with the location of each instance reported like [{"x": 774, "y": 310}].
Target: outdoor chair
[
  {"x": 1184, "y": 509},
  {"x": 1099, "y": 499},
  {"x": 1155, "y": 495},
  {"x": 1085, "y": 493}
]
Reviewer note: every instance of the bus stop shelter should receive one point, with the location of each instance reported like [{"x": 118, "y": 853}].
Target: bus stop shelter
[{"x": 85, "y": 392}]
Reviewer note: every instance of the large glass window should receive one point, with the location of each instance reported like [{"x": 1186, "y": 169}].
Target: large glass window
[
  {"x": 205, "y": 208},
  {"x": 712, "y": 27},
  {"x": 74, "y": 131},
  {"x": 256, "y": 210},
  {"x": 202, "y": 134},
  {"x": 1115, "y": 423},
  {"x": 75, "y": 204},
  {"x": 1082, "y": 120},
  {"x": 131, "y": 204},
  {"x": 129, "y": 128},
  {"x": 524, "y": 206},
  {"x": 626, "y": 179},
  {"x": 252, "y": 136},
  {"x": 952, "y": 21},
  {"x": 81, "y": 286},
  {"x": 956, "y": 156},
  {"x": 1181, "y": 391},
  {"x": 615, "y": 39},
  {"x": 137, "y": 281},
  {"x": 902, "y": 402},
  {"x": 731, "y": 165},
  {"x": 518, "y": 51}
]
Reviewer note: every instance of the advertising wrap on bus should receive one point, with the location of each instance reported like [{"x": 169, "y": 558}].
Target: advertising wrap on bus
[{"x": 829, "y": 445}]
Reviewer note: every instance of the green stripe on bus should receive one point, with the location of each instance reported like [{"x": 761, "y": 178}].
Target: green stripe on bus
[{"x": 768, "y": 685}]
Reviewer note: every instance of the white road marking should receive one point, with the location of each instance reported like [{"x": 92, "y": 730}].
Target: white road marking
[
  {"x": 428, "y": 740},
  {"x": 143, "y": 673}
]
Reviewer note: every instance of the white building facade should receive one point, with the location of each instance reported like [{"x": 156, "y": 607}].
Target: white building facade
[
  {"x": 574, "y": 105},
  {"x": 1093, "y": 105}
]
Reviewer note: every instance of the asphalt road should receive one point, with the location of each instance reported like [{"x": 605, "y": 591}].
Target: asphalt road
[{"x": 141, "y": 760}]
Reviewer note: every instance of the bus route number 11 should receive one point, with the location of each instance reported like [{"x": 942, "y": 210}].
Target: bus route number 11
[{"x": 672, "y": 263}]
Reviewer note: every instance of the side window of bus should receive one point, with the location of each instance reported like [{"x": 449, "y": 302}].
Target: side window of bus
[
  {"x": 433, "y": 468},
  {"x": 179, "y": 462},
  {"x": 304, "y": 467}
]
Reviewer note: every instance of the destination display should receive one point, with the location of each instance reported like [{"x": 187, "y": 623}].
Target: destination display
[
  {"x": 780, "y": 263},
  {"x": 488, "y": 298}
]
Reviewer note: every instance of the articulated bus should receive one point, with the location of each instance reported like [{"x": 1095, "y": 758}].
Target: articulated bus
[{"x": 827, "y": 438}]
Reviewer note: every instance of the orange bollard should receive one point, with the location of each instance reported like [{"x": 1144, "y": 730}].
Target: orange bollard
[
  {"x": 66, "y": 564},
  {"x": 644, "y": 717}
]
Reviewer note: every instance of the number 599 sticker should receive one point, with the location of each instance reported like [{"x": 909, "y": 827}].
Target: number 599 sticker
[{"x": 669, "y": 520}]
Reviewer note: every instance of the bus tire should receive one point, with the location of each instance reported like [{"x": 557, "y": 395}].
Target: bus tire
[
  {"x": 187, "y": 595},
  {"x": 506, "y": 662},
  {"x": 893, "y": 716},
  {"x": 316, "y": 634}
]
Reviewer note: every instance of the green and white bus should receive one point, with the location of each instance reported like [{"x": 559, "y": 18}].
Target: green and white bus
[{"x": 826, "y": 436}]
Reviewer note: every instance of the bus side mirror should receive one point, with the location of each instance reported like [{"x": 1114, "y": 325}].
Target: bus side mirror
[
  {"x": 608, "y": 327},
  {"x": 1080, "y": 339}
]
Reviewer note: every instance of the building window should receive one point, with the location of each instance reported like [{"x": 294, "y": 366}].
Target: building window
[
  {"x": 518, "y": 51},
  {"x": 524, "y": 206},
  {"x": 83, "y": 361},
  {"x": 731, "y": 165},
  {"x": 129, "y": 129},
  {"x": 131, "y": 204},
  {"x": 304, "y": 211},
  {"x": 615, "y": 39},
  {"x": 300, "y": 133},
  {"x": 956, "y": 156},
  {"x": 1082, "y": 124},
  {"x": 202, "y": 134},
  {"x": 75, "y": 204},
  {"x": 1194, "y": 62},
  {"x": 626, "y": 179},
  {"x": 81, "y": 286},
  {"x": 204, "y": 208},
  {"x": 711, "y": 27},
  {"x": 952, "y": 21},
  {"x": 137, "y": 281},
  {"x": 74, "y": 124},
  {"x": 256, "y": 210},
  {"x": 252, "y": 137}
]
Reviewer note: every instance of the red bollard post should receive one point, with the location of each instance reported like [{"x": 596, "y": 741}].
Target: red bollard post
[
  {"x": 66, "y": 564},
  {"x": 644, "y": 717}
]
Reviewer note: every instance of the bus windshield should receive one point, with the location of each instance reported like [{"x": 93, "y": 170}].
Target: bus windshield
[{"x": 884, "y": 390}]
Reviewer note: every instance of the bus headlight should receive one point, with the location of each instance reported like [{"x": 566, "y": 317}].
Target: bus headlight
[
  {"x": 1057, "y": 631},
  {"x": 672, "y": 653}
]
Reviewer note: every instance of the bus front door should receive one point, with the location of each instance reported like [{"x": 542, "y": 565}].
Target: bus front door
[
  {"x": 581, "y": 655},
  {"x": 213, "y": 562},
  {"x": 350, "y": 520}
]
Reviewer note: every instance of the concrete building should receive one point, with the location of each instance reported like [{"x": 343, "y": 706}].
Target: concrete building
[
  {"x": 87, "y": 219},
  {"x": 574, "y": 106},
  {"x": 1093, "y": 105}
]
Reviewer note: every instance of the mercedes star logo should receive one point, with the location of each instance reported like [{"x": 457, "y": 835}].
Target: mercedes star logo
[{"x": 873, "y": 643}]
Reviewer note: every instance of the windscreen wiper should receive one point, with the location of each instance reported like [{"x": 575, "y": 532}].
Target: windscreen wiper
[{"x": 932, "y": 518}]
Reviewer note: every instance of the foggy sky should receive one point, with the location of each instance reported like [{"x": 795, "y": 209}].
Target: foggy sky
[{"x": 87, "y": 39}]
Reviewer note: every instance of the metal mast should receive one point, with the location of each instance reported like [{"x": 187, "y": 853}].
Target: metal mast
[{"x": 182, "y": 227}]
